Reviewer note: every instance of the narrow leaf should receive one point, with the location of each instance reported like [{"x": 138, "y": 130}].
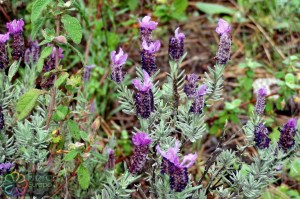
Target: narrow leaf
[
  {"x": 61, "y": 78},
  {"x": 13, "y": 69},
  {"x": 211, "y": 8}
]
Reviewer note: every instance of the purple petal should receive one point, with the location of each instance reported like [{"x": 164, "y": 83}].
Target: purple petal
[
  {"x": 15, "y": 26},
  {"x": 179, "y": 35},
  {"x": 202, "y": 90},
  {"x": 189, "y": 160},
  {"x": 141, "y": 139},
  {"x": 145, "y": 45},
  {"x": 113, "y": 56},
  {"x": 147, "y": 23},
  {"x": 171, "y": 153},
  {"x": 137, "y": 83},
  {"x": 4, "y": 37},
  {"x": 223, "y": 27},
  {"x": 147, "y": 81},
  {"x": 262, "y": 92},
  {"x": 156, "y": 46}
]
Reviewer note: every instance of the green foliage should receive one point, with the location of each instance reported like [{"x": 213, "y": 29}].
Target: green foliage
[
  {"x": 72, "y": 27},
  {"x": 37, "y": 9},
  {"x": 27, "y": 102},
  {"x": 84, "y": 178},
  {"x": 44, "y": 54},
  {"x": 211, "y": 8}
]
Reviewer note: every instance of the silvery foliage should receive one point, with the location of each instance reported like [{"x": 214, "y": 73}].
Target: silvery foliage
[
  {"x": 168, "y": 120},
  {"x": 229, "y": 175}
]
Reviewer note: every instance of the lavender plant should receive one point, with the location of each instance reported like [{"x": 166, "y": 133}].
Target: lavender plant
[
  {"x": 174, "y": 114},
  {"x": 48, "y": 124}
]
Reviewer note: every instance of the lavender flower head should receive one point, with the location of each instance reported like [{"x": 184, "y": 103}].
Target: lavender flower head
[
  {"x": 3, "y": 51},
  {"x": 32, "y": 53},
  {"x": 224, "y": 29},
  {"x": 177, "y": 170},
  {"x": 261, "y": 138},
  {"x": 110, "y": 165},
  {"x": 261, "y": 101},
  {"x": 146, "y": 28},
  {"x": 118, "y": 60},
  {"x": 176, "y": 45},
  {"x": 141, "y": 142},
  {"x": 191, "y": 84},
  {"x": 144, "y": 101},
  {"x": 87, "y": 72},
  {"x": 287, "y": 134},
  {"x": 15, "y": 28},
  {"x": 198, "y": 104},
  {"x": 5, "y": 167},
  {"x": 47, "y": 82},
  {"x": 148, "y": 56}
]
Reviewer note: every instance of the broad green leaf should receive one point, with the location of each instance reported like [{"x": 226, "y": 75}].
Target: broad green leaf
[
  {"x": 180, "y": 6},
  {"x": 37, "y": 26},
  {"x": 27, "y": 102},
  {"x": 44, "y": 54},
  {"x": 83, "y": 177},
  {"x": 61, "y": 78},
  {"x": 74, "y": 129},
  {"x": 71, "y": 155},
  {"x": 13, "y": 69},
  {"x": 72, "y": 27},
  {"x": 290, "y": 78},
  {"x": 211, "y": 8},
  {"x": 37, "y": 9},
  {"x": 60, "y": 113},
  {"x": 83, "y": 135}
]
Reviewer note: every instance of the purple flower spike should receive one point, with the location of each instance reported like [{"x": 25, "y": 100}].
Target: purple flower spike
[
  {"x": 32, "y": 53},
  {"x": 4, "y": 38},
  {"x": 60, "y": 53},
  {"x": 191, "y": 85},
  {"x": 15, "y": 26},
  {"x": 144, "y": 101},
  {"x": 110, "y": 165},
  {"x": 176, "y": 45},
  {"x": 141, "y": 139},
  {"x": 223, "y": 27},
  {"x": 3, "y": 51},
  {"x": 47, "y": 82},
  {"x": 261, "y": 101},
  {"x": 148, "y": 56},
  {"x": 146, "y": 28},
  {"x": 198, "y": 104},
  {"x": 177, "y": 171},
  {"x": 223, "y": 54},
  {"x": 5, "y": 167},
  {"x": 2, "y": 123},
  {"x": 141, "y": 142},
  {"x": 87, "y": 72},
  {"x": 118, "y": 60},
  {"x": 261, "y": 138},
  {"x": 287, "y": 134}
]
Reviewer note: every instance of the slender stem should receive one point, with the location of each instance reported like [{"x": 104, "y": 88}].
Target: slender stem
[{"x": 53, "y": 93}]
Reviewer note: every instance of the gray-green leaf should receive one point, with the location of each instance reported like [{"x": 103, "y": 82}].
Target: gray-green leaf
[{"x": 72, "y": 27}]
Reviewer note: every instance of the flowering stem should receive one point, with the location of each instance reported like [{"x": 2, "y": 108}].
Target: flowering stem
[{"x": 53, "y": 93}]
